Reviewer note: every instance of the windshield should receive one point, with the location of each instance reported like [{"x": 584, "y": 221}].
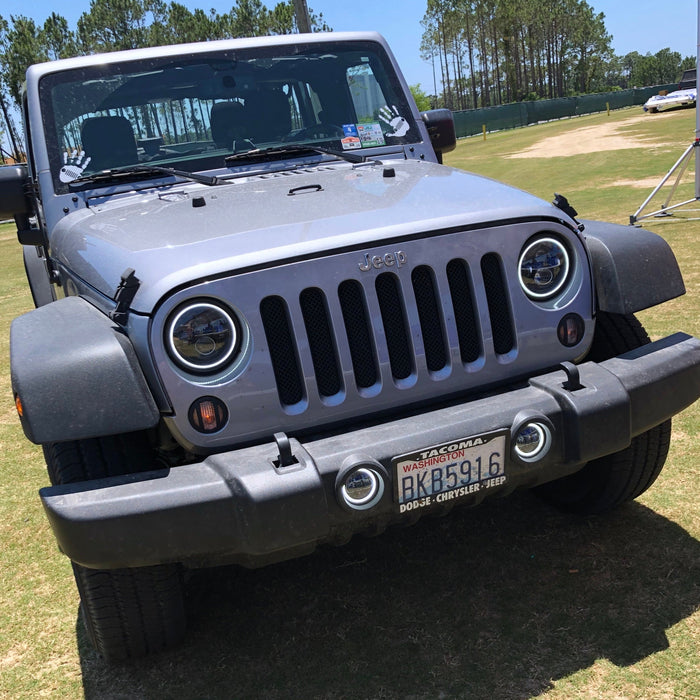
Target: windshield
[{"x": 191, "y": 112}]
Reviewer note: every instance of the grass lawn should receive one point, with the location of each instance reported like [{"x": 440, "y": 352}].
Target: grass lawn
[{"x": 510, "y": 600}]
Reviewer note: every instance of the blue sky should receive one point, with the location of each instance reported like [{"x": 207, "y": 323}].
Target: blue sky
[{"x": 636, "y": 25}]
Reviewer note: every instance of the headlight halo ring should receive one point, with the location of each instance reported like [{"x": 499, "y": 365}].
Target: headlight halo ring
[
  {"x": 550, "y": 267},
  {"x": 202, "y": 336}
]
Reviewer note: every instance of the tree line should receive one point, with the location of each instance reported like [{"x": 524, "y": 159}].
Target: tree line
[
  {"x": 483, "y": 52},
  {"x": 488, "y": 52},
  {"x": 114, "y": 25}
]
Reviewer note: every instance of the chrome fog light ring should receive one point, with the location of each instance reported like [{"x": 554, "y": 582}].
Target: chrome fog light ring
[
  {"x": 360, "y": 484},
  {"x": 532, "y": 440},
  {"x": 361, "y": 488}
]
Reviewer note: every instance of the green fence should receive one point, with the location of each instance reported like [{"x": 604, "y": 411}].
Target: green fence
[{"x": 510, "y": 116}]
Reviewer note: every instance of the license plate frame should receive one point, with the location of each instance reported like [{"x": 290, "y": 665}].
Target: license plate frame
[{"x": 450, "y": 471}]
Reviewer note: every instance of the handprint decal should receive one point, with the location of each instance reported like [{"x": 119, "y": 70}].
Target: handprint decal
[
  {"x": 73, "y": 166},
  {"x": 391, "y": 117}
]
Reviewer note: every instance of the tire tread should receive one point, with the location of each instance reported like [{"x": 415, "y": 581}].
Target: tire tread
[{"x": 127, "y": 613}]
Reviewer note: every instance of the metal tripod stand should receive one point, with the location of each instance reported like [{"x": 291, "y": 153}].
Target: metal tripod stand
[
  {"x": 679, "y": 170},
  {"x": 681, "y": 164}
]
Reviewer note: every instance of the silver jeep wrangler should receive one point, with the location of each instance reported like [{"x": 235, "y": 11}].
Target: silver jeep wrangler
[{"x": 269, "y": 318}]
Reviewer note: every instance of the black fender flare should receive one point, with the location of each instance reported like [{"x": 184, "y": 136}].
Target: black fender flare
[
  {"x": 633, "y": 269},
  {"x": 76, "y": 375}
]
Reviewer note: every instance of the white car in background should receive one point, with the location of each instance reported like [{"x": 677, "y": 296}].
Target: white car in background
[{"x": 677, "y": 98}]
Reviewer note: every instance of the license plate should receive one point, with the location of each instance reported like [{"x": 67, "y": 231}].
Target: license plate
[{"x": 450, "y": 471}]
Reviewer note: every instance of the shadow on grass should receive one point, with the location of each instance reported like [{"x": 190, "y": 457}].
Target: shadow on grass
[{"x": 493, "y": 602}]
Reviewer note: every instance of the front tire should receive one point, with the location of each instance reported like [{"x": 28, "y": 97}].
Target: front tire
[
  {"x": 128, "y": 613},
  {"x": 610, "y": 481}
]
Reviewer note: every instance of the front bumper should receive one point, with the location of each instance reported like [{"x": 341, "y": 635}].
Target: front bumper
[{"x": 241, "y": 506}]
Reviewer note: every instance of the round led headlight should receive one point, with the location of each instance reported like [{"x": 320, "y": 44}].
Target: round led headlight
[
  {"x": 202, "y": 336},
  {"x": 544, "y": 268}
]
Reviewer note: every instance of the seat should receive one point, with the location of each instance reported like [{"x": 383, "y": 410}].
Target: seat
[
  {"x": 228, "y": 123},
  {"x": 272, "y": 116},
  {"x": 109, "y": 142}
]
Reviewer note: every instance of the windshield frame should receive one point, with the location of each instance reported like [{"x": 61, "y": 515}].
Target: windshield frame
[{"x": 73, "y": 157}]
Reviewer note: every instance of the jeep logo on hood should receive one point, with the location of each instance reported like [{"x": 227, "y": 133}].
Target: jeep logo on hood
[{"x": 377, "y": 262}]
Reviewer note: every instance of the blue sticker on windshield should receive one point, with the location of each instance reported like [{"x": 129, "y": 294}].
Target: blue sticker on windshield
[{"x": 351, "y": 139}]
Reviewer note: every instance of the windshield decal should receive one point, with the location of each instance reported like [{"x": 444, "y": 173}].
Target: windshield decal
[
  {"x": 371, "y": 135},
  {"x": 73, "y": 166},
  {"x": 351, "y": 137},
  {"x": 362, "y": 136},
  {"x": 391, "y": 117}
]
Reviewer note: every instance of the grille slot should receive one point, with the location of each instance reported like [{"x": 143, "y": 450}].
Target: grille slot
[
  {"x": 465, "y": 314},
  {"x": 394, "y": 321},
  {"x": 430, "y": 317},
  {"x": 499, "y": 308},
  {"x": 358, "y": 330},
  {"x": 318, "y": 331},
  {"x": 280, "y": 343}
]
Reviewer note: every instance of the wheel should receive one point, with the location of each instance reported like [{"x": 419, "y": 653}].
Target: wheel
[
  {"x": 607, "y": 482},
  {"x": 127, "y": 613}
]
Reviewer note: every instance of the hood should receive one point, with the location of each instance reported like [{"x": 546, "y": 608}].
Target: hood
[{"x": 176, "y": 235}]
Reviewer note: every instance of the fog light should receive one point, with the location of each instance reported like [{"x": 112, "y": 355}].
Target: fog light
[
  {"x": 362, "y": 488},
  {"x": 208, "y": 414},
  {"x": 532, "y": 442},
  {"x": 570, "y": 330}
]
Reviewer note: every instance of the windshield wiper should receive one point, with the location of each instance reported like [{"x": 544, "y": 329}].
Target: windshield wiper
[
  {"x": 142, "y": 171},
  {"x": 276, "y": 152}
]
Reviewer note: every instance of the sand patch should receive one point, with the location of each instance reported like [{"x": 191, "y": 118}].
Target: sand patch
[
  {"x": 14, "y": 657},
  {"x": 588, "y": 139},
  {"x": 651, "y": 182}
]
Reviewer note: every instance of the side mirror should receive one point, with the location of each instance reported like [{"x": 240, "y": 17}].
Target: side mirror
[
  {"x": 441, "y": 129},
  {"x": 15, "y": 202},
  {"x": 13, "y": 197}
]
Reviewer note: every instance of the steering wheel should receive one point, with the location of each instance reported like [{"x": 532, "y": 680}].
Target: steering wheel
[{"x": 316, "y": 131}]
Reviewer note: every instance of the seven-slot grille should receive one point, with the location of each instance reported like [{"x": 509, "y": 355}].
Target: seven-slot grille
[
  {"x": 437, "y": 314},
  {"x": 355, "y": 333}
]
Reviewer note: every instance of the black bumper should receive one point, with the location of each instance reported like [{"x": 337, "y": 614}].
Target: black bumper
[{"x": 241, "y": 506}]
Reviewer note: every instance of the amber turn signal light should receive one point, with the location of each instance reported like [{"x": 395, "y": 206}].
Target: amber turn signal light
[{"x": 208, "y": 414}]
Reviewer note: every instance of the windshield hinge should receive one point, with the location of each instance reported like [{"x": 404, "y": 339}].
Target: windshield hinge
[
  {"x": 562, "y": 203},
  {"x": 126, "y": 291}
]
